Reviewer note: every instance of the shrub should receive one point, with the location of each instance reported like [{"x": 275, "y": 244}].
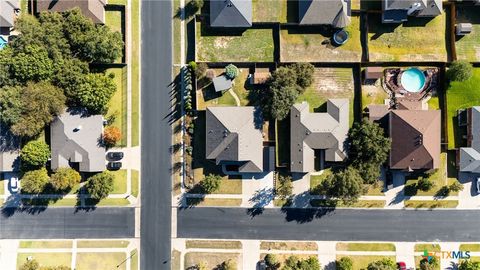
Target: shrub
[
  {"x": 231, "y": 71},
  {"x": 211, "y": 183},
  {"x": 284, "y": 187},
  {"x": 65, "y": 178},
  {"x": 469, "y": 265},
  {"x": 111, "y": 136},
  {"x": 425, "y": 184},
  {"x": 460, "y": 71},
  {"x": 35, "y": 154},
  {"x": 30, "y": 265},
  {"x": 383, "y": 264},
  {"x": 272, "y": 262},
  {"x": 456, "y": 187},
  {"x": 227, "y": 265},
  {"x": 345, "y": 263},
  {"x": 100, "y": 185},
  {"x": 192, "y": 65},
  {"x": 429, "y": 265},
  {"x": 35, "y": 181}
]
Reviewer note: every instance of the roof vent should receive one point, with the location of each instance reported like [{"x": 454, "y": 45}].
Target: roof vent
[{"x": 78, "y": 128}]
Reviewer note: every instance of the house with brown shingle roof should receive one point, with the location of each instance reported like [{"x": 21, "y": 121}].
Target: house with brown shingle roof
[
  {"x": 93, "y": 9},
  {"x": 415, "y": 136},
  {"x": 468, "y": 158}
]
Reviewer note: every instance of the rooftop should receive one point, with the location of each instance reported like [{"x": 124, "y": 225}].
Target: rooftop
[
  {"x": 326, "y": 12},
  {"x": 231, "y": 13},
  {"x": 470, "y": 156},
  {"x": 93, "y": 9},
  {"x": 7, "y": 12}
]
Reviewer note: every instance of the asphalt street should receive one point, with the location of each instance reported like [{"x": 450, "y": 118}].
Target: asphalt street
[
  {"x": 322, "y": 225},
  {"x": 156, "y": 134},
  {"x": 67, "y": 223}
]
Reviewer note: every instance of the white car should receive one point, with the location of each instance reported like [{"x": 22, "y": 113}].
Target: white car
[
  {"x": 478, "y": 185},
  {"x": 14, "y": 184}
]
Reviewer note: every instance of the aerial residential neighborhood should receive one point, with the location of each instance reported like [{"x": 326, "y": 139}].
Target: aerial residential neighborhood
[{"x": 239, "y": 134}]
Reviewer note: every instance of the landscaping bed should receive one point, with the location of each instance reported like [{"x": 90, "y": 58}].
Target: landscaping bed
[
  {"x": 419, "y": 258},
  {"x": 365, "y": 247},
  {"x": 468, "y": 46}
]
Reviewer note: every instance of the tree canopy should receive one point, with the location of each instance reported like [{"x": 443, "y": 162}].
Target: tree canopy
[
  {"x": 460, "y": 71},
  {"x": 346, "y": 185},
  {"x": 211, "y": 183},
  {"x": 65, "y": 178},
  {"x": 94, "y": 92},
  {"x": 100, "y": 185},
  {"x": 35, "y": 154},
  {"x": 35, "y": 181},
  {"x": 345, "y": 263}
]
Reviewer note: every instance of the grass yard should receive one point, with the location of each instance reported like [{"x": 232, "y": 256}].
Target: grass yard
[
  {"x": 317, "y": 180},
  {"x": 117, "y": 2},
  {"x": 309, "y": 246},
  {"x": 176, "y": 33},
  {"x": 429, "y": 247},
  {"x": 470, "y": 247},
  {"x": 135, "y": 182},
  {"x": 251, "y": 45},
  {"x": 2, "y": 185},
  {"x": 330, "y": 83},
  {"x": 206, "y": 95},
  {"x": 108, "y": 202},
  {"x": 117, "y": 108},
  {"x": 433, "y": 103},
  {"x": 135, "y": 69},
  {"x": 313, "y": 45},
  {"x": 365, "y": 247},
  {"x": 461, "y": 95},
  {"x": 358, "y": 204},
  {"x": 111, "y": 260},
  {"x": 214, "y": 244},
  {"x": 47, "y": 259},
  {"x": 115, "y": 20},
  {"x": 102, "y": 244},
  {"x": 361, "y": 262},
  {"x": 176, "y": 257},
  {"x": 120, "y": 182},
  {"x": 45, "y": 244},
  {"x": 440, "y": 178},
  {"x": 468, "y": 47},
  {"x": 134, "y": 260},
  {"x": 419, "y": 39},
  {"x": 50, "y": 202},
  {"x": 212, "y": 260},
  {"x": 373, "y": 94},
  {"x": 269, "y": 11},
  {"x": 431, "y": 204},
  {"x": 213, "y": 202}
]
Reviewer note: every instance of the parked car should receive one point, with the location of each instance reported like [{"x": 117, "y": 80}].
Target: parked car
[
  {"x": 14, "y": 184},
  {"x": 478, "y": 185},
  {"x": 401, "y": 266},
  {"x": 261, "y": 265},
  {"x": 113, "y": 166},
  {"x": 114, "y": 156}
]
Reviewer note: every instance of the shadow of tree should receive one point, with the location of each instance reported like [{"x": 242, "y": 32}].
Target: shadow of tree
[
  {"x": 190, "y": 9},
  {"x": 260, "y": 200}
]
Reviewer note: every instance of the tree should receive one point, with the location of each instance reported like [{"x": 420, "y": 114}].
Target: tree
[
  {"x": 272, "y": 262},
  {"x": 35, "y": 181},
  {"x": 456, "y": 187},
  {"x": 30, "y": 265},
  {"x": 95, "y": 91},
  {"x": 425, "y": 184},
  {"x": 284, "y": 187},
  {"x": 32, "y": 64},
  {"x": 431, "y": 264},
  {"x": 345, "y": 185},
  {"x": 231, "y": 71},
  {"x": 69, "y": 76},
  {"x": 469, "y": 265},
  {"x": 460, "y": 71},
  {"x": 304, "y": 73},
  {"x": 65, "y": 178},
  {"x": 198, "y": 4},
  {"x": 227, "y": 265},
  {"x": 111, "y": 136},
  {"x": 282, "y": 101},
  {"x": 100, "y": 185},
  {"x": 6, "y": 56},
  {"x": 11, "y": 104},
  {"x": 383, "y": 264},
  {"x": 369, "y": 149},
  {"x": 283, "y": 77},
  {"x": 345, "y": 263},
  {"x": 291, "y": 263},
  {"x": 311, "y": 263},
  {"x": 35, "y": 154},
  {"x": 211, "y": 183}
]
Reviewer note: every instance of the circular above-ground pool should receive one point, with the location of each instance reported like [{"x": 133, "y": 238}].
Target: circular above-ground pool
[
  {"x": 340, "y": 37},
  {"x": 413, "y": 80}
]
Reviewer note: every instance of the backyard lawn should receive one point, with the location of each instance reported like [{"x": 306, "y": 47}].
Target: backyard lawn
[
  {"x": 419, "y": 39},
  {"x": 115, "y": 21},
  {"x": 271, "y": 11},
  {"x": 313, "y": 45},
  {"x": 118, "y": 104},
  {"x": 373, "y": 94},
  {"x": 251, "y": 45},
  {"x": 468, "y": 47},
  {"x": 461, "y": 95}
]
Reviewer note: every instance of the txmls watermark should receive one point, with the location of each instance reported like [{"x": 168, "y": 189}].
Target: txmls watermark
[{"x": 446, "y": 254}]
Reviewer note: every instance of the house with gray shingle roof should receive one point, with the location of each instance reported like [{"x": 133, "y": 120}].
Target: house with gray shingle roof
[
  {"x": 318, "y": 131},
  {"x": 324, "y": 12},
  {"x": 230, "y": 13},
  {"x": 469, "y": 157},
  {"x": 77, "y": 140},
  {"x": 398, "y": 11},
  {"x": 8, "y": 9},
  {"x": 93, "y": 9},
  {"x": 9, "y": 151},
  {"x": 234, "y": 136}
]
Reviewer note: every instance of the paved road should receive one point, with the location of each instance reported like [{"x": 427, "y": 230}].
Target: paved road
[
  {"x": 156, "y": 134},
  {"x": 341, "y": 225},
  {"x": 66, "y": 223}
]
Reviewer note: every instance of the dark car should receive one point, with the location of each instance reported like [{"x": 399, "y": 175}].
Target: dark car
[
  {"x": 114, "y": 156},
  {"x": 113, "y": 166}
]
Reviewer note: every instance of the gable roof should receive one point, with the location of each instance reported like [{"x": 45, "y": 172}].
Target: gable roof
[
  {"x": 415, "y": 136},
  {"x": 469, "y": 160},
  {"x": 396, "y": 10},
  {"x": 75, "y": 138},
  {"x": 310, "y": 131},
  {"x": 93, "y": 9},
  {"x": 233, "y": 134},
  {"x": 9, "y": 150},
  {"x": 7, "y": 12},
  {"x": 328, "y": 12},
  {"x": 231, "y": 13}
]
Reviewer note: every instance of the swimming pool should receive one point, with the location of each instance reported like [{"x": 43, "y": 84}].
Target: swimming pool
[
  {"x": 413, "y": 80},
  {"x": 3, "y": 42}
]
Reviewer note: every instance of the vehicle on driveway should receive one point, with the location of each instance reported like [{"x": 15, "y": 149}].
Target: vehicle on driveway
[
  {"x": 477, "y": 185},
  {"x": 114, "y": 166},
  {"x": 401, "y": 266},
  {"x": 114, "y": 156},
  {"x": 14, "y": 184}
]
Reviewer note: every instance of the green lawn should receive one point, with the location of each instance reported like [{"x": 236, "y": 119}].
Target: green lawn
[
  {"x": 230, "y": 186},
  {"x": 45, "y": 244},
  {"x": 461, "y": 95},
  {"x": 89, "y": 261},
  {"x": 113, "y": 19},
  {"x": 431, "y": 204},
  {"x": 361, "y": 262},
  {"x": 134, "y": 260},
  {"x": 373, "y": 95},
  {"x": 135, "y": 182},
  {"x": 365, "y": 246},
  {"x": 135, "y": 69},
  {"x": 470, "y": 247},
  {"x": 358, "y": 204},
  {"x": 176, "y": 33},
  {"x": 47, "y": 259},
  {"x": 434, "y": 103},
  {"x": 419, "y": 39},
  {"x": 251, "y": 45},
  {"x": 117, "y": 2},
  {"x": 468, "y": 47},
  {"x": 118, "y": 103},
  {"x": 2, "y": 185},
  {"x": 299, "y": 45},
  {"x": 176, "y": 258},
  {"x": 120, "y": 182},
  {"x": 429, "y": 247},
  {"x": 269, "y": 11},
  {"x": 316, "y": 181},
  {"x": 102, "y": 244},
  {"x": 50, "y": 202},
  {"x": 213, "y": 202},
  {"x": 214, "y": 244}
]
